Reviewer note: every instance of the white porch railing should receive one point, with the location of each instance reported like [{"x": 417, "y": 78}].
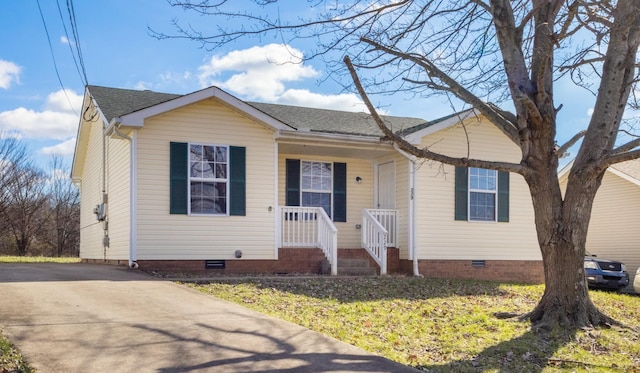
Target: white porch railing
[
  {"x": 309, "y": 227},
  {"x": 374, "y": 239},
  {"x": 389, "y": 220}
]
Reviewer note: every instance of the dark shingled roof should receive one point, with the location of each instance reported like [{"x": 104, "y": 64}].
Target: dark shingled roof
[
  {"x": 333, "y": 121},
  {"x": 115, "y": 102}
]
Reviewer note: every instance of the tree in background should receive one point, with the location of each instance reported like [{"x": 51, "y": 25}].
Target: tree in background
[
  {"x": 26, "y": 198},
  {"x": 475, "y": 51},
  {"x": 39, "y": 215},
  {"x": 62, "y": 233}
]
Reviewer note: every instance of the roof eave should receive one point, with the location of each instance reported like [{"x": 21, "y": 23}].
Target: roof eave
[{"x": 416, "y": 137}]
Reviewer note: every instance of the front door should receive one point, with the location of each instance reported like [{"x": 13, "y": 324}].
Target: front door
[{"x": 386, "y": 184}]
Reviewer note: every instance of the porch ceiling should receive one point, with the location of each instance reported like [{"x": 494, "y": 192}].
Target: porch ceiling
[{"x": 343, "y": 150}]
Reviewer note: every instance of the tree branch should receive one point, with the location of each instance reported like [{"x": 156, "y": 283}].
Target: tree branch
[
  {"x": 627, "y": 146},
  {"x": 507, "y": 127},
  {"x": 418, "y": 152},
  {"x": 563, "y": 149},
  {"x": 620, "y": 157}
]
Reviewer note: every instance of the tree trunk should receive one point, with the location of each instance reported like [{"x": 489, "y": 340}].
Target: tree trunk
[{"x": 562, "y": 234}]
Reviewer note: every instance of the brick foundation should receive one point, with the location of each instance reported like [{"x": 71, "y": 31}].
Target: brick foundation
[
  {"x": 119, "y": 262},
  {"x": 290, "y": 261},
  {"x": 525, "y": 271}
]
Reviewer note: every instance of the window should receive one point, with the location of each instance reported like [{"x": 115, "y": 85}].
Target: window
[
  {"x": 320, "y": 184},
  {"x": 482, "y": 194},
  {"x": 316, "y": 185},
  {"x": 208, "y": 180}
]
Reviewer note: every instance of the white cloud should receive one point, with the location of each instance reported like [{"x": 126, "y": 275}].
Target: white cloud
[
  {"x": 9, "y": 73},
  {"x": 57, "y": 121},
  {"x": 261, "y": 71},
  {"x": 64, "y": 40},
  {"x": 590, "y": 111},
  {"x": 64, "y": 148},
  {"x": 261, "y": 74},
  {"x": 303, "y": 97}
]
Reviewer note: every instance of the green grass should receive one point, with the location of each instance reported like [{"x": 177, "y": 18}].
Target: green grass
[
  {"x": 10, "y": 359},
  {"x": 36, "y": 259},
  {"x": 442, "y": 325}
]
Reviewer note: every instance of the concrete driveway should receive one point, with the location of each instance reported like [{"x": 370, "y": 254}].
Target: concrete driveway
[{"x": 94, "y": 318}]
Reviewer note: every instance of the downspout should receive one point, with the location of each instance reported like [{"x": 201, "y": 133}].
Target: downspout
[
  {"x": 412, "y": 209},
  {"x": 276, "y": 205},
  {"x": 133, "y": 206}
]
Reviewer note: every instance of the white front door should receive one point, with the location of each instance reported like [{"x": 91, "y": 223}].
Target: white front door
[{"x": 386, "y": 184}]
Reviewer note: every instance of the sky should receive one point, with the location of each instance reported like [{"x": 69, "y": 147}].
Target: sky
[{"x": 42, "y": 109}]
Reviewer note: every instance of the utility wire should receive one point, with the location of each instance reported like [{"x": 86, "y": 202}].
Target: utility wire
[
  {"x": 69, "y": 40},
  {"x": 76, "y": 38},
  {"x": 55, "y": 64}
]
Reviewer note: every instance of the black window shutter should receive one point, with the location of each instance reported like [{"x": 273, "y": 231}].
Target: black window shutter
[
  {"x": 238, "y": 179},
  {"x": 503, "y": 196},
  {"x": 340, "y": 192},
  {"x": 293, "y": 182},
  {"x": 178, "y": 175},
  {"x": 461, "y": 193}
]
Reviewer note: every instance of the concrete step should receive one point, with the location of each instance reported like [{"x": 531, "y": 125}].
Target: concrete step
[
  {"x": 357, "y": 271},
  {"x": 353, "y": 263}
]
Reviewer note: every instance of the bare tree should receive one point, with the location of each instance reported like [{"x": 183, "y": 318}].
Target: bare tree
[
  {"x": 26, "y": 196},
  {"x": 477, "y": 50},
  {"x": 62, "y": 230}
]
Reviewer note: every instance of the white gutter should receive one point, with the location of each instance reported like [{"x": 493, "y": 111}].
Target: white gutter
[{"x": 412, "y": 209}]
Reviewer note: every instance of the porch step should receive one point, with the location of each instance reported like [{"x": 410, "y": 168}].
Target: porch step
[
  {"x": 355, "y": 267},
  {"x": 353, "y": 263}
]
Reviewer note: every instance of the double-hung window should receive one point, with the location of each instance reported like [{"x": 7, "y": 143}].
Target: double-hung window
[
  {"x": 208, "y": 179},
  {"x": 482, "y": 194},
  {"x": 316, "y": 185}
]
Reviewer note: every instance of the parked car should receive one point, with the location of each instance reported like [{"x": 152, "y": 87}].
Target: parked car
[
  {"x": 636, "y": 282},
  {"x": 605, "y": 274}
]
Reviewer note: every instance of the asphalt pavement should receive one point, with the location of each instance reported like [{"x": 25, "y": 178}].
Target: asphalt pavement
[{"x": 110, "y": 319}]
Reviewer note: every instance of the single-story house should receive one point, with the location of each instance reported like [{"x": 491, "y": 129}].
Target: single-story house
[
  {"x": 208, "y": 182},
  {"x": 613, "y": 230}
]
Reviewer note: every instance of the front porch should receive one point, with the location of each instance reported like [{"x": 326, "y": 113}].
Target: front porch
[{"x": 307, "y": 228}]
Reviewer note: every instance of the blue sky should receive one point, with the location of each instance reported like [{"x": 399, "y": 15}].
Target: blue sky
[{"x": 118, "y": 52}]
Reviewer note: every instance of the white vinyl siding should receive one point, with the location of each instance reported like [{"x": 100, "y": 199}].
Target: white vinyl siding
[
  {"x": 162, "y": 236},
  {"x": 91, "y": 195},
  {"x": 116, "y": 187},
  {"x": 439, "y": 235}
]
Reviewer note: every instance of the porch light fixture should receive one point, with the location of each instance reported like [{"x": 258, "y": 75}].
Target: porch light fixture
[{"x": 358, "y": 179}]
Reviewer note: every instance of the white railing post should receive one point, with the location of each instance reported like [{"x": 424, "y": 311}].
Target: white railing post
[
  {"x": 309, "y": 227},
  {"x": 374, "y": 239}
]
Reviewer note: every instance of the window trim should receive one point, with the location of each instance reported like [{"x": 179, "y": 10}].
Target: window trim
[
  {"x": 494, "y": 192},
  {"x": 227, "y": 180},
  {"x": 330, "y": 190}
]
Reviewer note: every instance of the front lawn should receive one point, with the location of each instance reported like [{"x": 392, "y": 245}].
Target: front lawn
[
  {"x": 37, "y": 259},
  {"x": 442, "y": 325}
]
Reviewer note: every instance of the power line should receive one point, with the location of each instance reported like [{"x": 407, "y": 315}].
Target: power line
[
  {"x": 73, "y": 54},
  {"x": 55, "y": 64},
  {"x": 76, "y": 38}
]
